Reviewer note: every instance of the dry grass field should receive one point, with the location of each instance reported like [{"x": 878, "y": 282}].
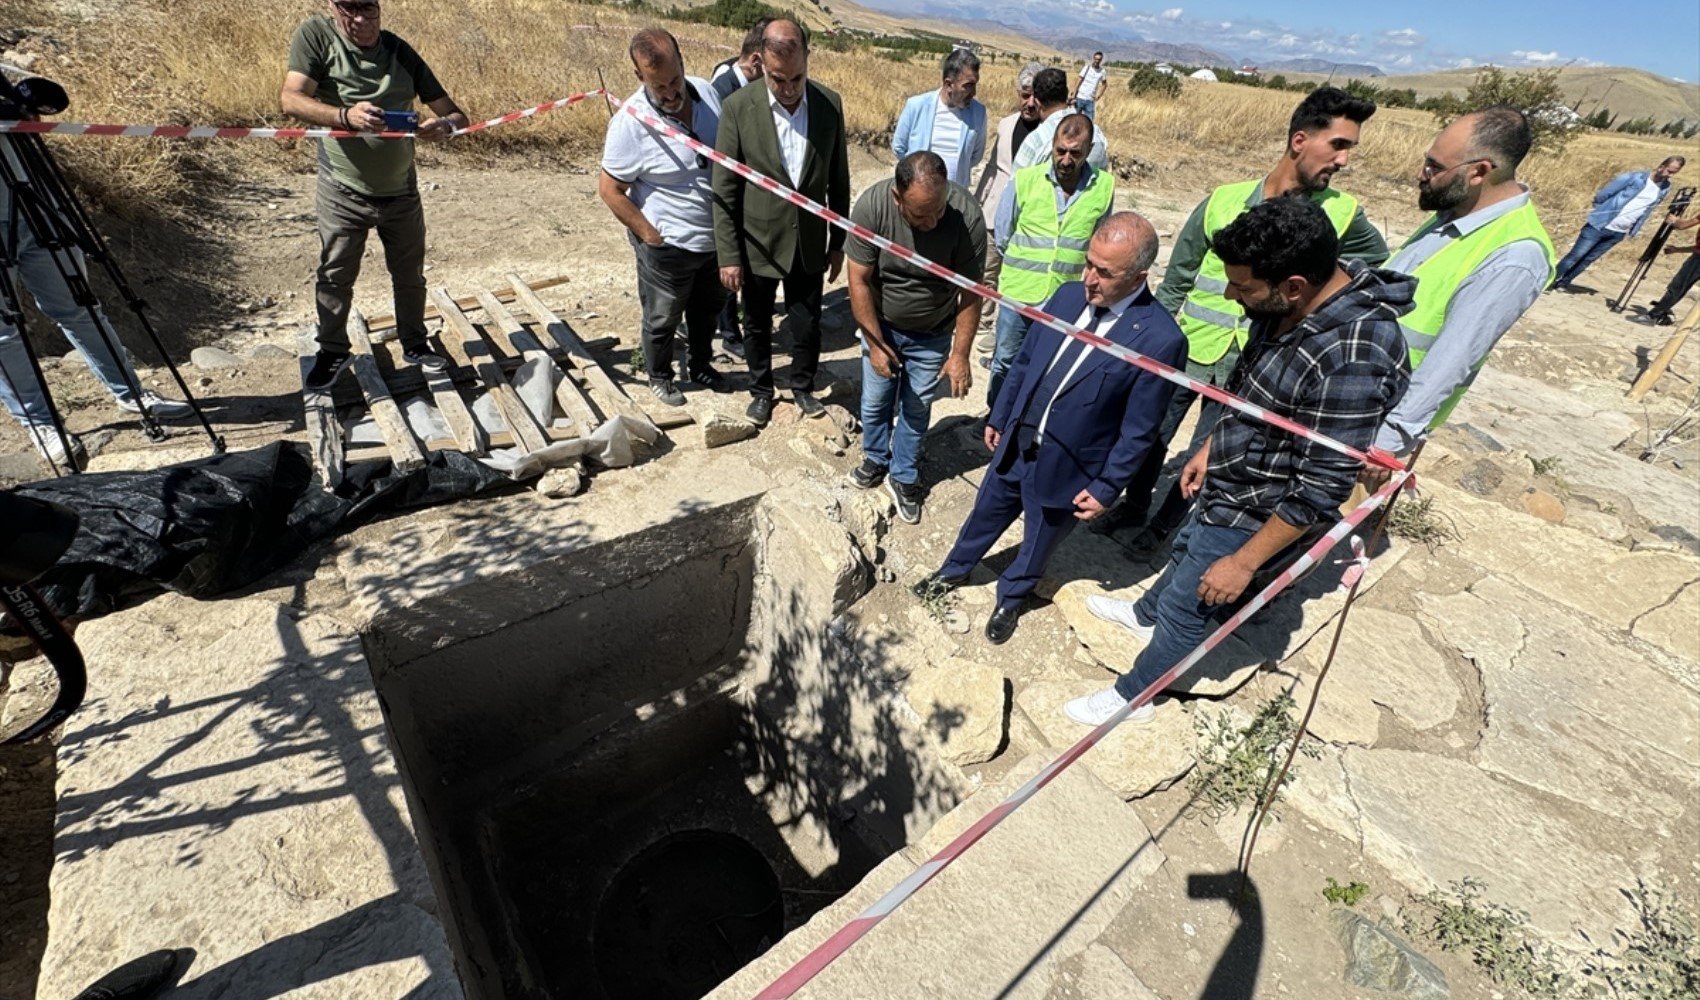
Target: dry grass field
[{"x": 208, "y": 61}]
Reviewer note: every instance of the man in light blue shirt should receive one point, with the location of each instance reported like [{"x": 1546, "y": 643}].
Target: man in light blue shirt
[
  {"x": 1620, "y": 209},
  {"x": 947, "y": 121}
]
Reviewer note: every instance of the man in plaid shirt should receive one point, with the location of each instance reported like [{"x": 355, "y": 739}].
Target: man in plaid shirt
[{"x": 1325, "y": 351}]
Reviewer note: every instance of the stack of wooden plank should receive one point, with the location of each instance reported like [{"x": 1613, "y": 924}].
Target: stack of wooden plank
[{"x": 482, "y": 355}]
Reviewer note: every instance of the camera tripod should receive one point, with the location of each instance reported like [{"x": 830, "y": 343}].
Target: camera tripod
[
  {"x": 41, "y": 200},
  {"x": 1678, "y": 207}
]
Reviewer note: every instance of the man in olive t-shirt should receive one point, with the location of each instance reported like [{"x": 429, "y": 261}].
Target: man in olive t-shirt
[
  {"x": 344, "y": 73},
  {"x": 916, "y": 327}
]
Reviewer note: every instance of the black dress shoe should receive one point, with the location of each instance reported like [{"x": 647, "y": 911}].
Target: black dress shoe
[
  {"x": 1001, "y": 625},
  {"x": 934, "y": 584},
  {"x": 760, "y": 410},
  {"x": 141, "y": 979},
  {"x": 807, "y": 402}
]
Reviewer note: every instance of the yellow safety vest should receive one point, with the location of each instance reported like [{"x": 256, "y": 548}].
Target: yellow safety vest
[
  {"x": 1046, "y": 252},
  {"x": 1438, "y": 279},
  {"x": 1211, "y": 321}
]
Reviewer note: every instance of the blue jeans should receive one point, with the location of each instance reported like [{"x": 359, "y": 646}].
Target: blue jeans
[
  {"x": 22, "y": 395},
  {"x": 896, "y": 411},
  {"x": 1087, "y": 106},
  {"x": 1591, "y": 244},
  {"x": 1011, "y": 331},
  {"x": 1172, "y": 605}
]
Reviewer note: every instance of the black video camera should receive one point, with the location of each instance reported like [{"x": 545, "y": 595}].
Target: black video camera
[{"x": 31, "y": 97}]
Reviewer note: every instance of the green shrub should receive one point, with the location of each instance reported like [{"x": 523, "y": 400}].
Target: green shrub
[{"x": 1147, "y": 81}]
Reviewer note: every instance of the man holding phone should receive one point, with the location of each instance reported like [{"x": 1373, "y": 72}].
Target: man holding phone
[{"x": 345, "y": 72}]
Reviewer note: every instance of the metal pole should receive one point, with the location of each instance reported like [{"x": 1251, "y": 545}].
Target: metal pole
[{"x": 1274, "y": 786}]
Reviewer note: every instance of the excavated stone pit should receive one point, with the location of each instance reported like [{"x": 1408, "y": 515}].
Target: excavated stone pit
[{"x": 634, "y": 768}]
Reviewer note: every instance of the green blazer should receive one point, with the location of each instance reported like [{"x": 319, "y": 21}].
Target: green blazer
[{"x": 756, "y": 229}]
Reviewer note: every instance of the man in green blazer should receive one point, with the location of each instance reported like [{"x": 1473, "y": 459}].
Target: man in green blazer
[{"x": 792, "y": 130}]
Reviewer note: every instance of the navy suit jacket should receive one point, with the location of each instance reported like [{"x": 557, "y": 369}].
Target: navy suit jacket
[{"x": 1106, "y": 417}]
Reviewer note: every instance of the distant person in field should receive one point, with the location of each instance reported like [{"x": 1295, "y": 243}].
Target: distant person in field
[
  {"x": 658, "y": 188},
  {"x": 947, "y": 121},
  {"x": 1620, "y": 209},
  {"x": 1321, "y": 134},
  {"x": 1050, "y": 89},
  {"x": 344, "y": 73},
  {"x": 1013, "y": 130},
  {"x": 1093, "y": 79},
  {"x": 1480, "y": 261},
  {"x": 1660, "y": 311},
  {"x": 729, "y": 77}
]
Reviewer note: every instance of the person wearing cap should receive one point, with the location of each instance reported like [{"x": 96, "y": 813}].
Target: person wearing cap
[{"x": 345, "y": 72}]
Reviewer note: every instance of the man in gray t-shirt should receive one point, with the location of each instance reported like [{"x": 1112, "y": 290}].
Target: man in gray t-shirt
[{"x": 916, "y": 328}]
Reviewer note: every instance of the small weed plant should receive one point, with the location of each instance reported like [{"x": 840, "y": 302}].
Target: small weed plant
[
  {"x": 1350, "y": 894},
  {"x": 1236, "y": 763}
]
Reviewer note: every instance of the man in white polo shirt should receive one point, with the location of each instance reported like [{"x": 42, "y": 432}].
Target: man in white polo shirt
[
  {"x": 1619, "y": 210},
  {"x": 1093, "y": 77},
  {"x": 659, "y": 190}
]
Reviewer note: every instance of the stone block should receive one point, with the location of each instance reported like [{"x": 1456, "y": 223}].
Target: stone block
[
  {"x": 1384, "y": 660},
  {"x": 1134, "y": 760},
  {"x": 963, "y": 705},
  {"x": 1378, "y": 959}
]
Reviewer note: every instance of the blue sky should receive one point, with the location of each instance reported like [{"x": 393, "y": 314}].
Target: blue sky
[{"x": 1658, "y": 35}]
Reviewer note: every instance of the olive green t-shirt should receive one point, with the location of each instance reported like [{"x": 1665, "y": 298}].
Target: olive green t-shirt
[
  {"x": 910, "y": 299},
  {"x": 390, "y": 75}
]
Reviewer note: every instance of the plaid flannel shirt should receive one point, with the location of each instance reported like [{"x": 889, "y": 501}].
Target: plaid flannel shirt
[{"x": 1339, "y": 372}]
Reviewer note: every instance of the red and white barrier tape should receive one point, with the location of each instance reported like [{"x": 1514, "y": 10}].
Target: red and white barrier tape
[
  {"x": 1374, "y": 456},
  {"x": 811, "y": 965},
  {"x": 217, "y": 132}
]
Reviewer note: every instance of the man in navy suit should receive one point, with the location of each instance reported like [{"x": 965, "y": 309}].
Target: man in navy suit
[{"x": 1072, "y": 423}]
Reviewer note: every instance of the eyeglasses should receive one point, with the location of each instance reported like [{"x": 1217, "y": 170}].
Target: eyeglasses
[
  {"x": 366, "y": 10},
  {"x": 1432, "y": 168}
]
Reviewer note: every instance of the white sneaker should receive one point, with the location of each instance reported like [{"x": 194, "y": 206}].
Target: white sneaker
[
  {"x": 1096, "y": 708},
  {"x": 159, "y": 406},
  {"x": 48, "y": 444},
  {"x": 1119, "y": 613}
]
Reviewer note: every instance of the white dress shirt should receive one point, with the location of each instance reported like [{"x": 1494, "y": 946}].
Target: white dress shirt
[
  {"x": 1084, "y": 321},
  {"x": 793, "y": 131}
]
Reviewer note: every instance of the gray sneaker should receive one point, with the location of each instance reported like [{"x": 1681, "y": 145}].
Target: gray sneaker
[{"x": 664, "y": 390}]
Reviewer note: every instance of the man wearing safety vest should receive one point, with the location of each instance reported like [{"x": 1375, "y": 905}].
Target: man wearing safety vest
[
  {"x": 1043, "y": 225},
  {"x": 1480, "y": 262},
  {"x": 1321, "y": 135}
]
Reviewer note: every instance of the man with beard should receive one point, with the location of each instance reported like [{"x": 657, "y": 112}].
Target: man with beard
[
  {"x": 947, "y": 121},
  {"x": 1326, "y": 351},
  {"x": 792, "y": 130},
  {"x": 1480, "y": 261},
  {"x": 1012, "y": 131},
  {"x": 659, "y": 190},
  {"x": 1321, "y": 135}
]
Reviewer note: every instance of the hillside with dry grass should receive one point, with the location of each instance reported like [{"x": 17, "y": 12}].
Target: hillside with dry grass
[
  {"x": 1629, "y": 92},
  {"x": 205, "y": 61}
]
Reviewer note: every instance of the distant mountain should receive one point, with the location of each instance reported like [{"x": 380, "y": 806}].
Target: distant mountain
[
  {"x": 1138, "y": 50},
  {"x": 1342, "y": 71}
]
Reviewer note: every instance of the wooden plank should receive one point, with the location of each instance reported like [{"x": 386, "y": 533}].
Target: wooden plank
[
  {"x": 614, "y": 399},
  {"x": 404, "y": 448},
  {"x": 324, "y": 433},
  {"x": 387, "y": 322},
  {"x": 472, "y": 346},
  {"x": 1644, "y": 384},
  {"x": 521, "y": 342},
  {"x": 466, "y": 431}
]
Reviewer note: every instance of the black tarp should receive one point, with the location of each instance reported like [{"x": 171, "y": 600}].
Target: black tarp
[{"x": 210, "y": 526}]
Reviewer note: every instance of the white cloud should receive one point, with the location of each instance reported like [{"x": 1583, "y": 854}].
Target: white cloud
[
  {"x": 1287, "y": 41},
  {"x": 1172, "y": 14},
  {"x": 1464, "y": 63},
  {"x": 1537, "y": 58},
  {"x": 1404, "y": 37}
]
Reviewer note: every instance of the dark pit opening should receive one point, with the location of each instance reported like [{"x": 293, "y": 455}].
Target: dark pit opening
[
  {"x": 685, "y": 913},
  {"x": 618, "y": 769}
]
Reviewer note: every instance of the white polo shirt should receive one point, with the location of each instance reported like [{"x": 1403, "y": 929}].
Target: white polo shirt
[{"x": 667, "y": 183}]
